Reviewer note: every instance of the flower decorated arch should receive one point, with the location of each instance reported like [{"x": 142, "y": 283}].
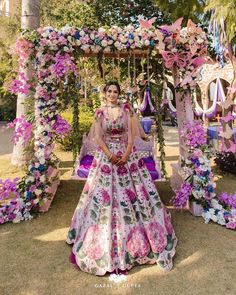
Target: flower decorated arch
[{"x": 54, "y": 54}]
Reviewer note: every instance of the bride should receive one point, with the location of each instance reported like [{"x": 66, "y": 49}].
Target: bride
[{"x": 120, "y": 220}]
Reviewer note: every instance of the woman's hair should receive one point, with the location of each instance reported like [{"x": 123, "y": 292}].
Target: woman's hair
[{"x": 108, "y": 84}]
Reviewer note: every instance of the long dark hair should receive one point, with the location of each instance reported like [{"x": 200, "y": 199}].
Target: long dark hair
[{"x": 108, "y": 84}]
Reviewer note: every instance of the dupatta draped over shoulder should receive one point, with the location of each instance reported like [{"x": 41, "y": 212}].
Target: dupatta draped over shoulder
[{"x": 132, "y": 128}]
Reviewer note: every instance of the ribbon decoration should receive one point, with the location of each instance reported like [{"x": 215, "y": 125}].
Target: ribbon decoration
[
  {"x": 167, "y": 98},
  {"x": 219, "y": 98},
  {"x": 146, "y": 101}
]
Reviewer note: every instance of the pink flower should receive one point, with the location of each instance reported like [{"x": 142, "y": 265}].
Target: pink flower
[
  {"x": 137, "y": 242},
  {"x": 133, "y": 168},
  {"x": 145, "y": 194},
  {"x": 106, "y": 169},
  {"x": 231, "y": 225},
  {"x": 93, "y": 244},
  {"x": 99, "y": 113},
  {"x": 140, "y": 163},
  {"x": 131, "y": 194},
  {"x": 157, "y": 237},
  {"x": 105, "y": 198},
  {"x": 121, "y": 170}
]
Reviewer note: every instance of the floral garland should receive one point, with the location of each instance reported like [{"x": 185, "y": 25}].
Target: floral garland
[
  {"x": 198, "y": 182},
  {"x": 54, "y": 54},
  {"x": 12, "y": 206}
]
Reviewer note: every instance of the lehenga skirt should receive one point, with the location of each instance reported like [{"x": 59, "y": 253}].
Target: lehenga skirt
[{"x": 120, "y": 221}]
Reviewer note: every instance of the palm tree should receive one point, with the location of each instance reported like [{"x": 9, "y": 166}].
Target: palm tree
[{"x": 224, "y": 15}]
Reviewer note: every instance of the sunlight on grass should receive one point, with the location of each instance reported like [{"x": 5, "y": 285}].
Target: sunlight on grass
[
  {"x": 191, "y": 259},
  {"x": 54, "y": 236},
  {"x": 5, "y": 233}
]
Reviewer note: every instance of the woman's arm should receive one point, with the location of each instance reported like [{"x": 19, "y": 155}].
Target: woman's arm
[{"x": 100, "y": 142}]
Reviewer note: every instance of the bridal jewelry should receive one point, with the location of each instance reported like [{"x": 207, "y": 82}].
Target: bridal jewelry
[{"x": 112, "y": 106}]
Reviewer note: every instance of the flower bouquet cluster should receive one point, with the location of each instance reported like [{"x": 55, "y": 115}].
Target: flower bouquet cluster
[
  {"x": 12, "y": 206},
  {"x": 222, "y": 210},
  {"x": 199, "y": 184}
]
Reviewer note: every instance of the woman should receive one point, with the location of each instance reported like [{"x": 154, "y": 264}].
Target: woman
[{"x": 120, "y": 220}]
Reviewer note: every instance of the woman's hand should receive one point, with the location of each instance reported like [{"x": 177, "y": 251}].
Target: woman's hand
[
  {"x": 113, "y": 159},
  {"x": 123, "y": 160}
]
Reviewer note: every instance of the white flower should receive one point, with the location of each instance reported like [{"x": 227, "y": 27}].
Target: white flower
[
  {"x": 123, "y": 39},
  {"x": 42, "y": 178},
  {"x": 215, "y": 204},
  {"x": 104, "y": 43},
  {"x": 78, "y": 42},
  {"x": 147, "y": 42},
  {"x": 200, "y": 41},
  {"x": 38, "y": 192},
  {"x": 36, "y": 165},
  {"x": 66, "y": 29},
  {"x": 101, "y": 30},
  {"x": 42, "y": 161}
]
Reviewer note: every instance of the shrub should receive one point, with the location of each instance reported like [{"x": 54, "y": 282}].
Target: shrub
[
  {"x": 85, "y": 121},
  {"x": 226, "y": 162}
]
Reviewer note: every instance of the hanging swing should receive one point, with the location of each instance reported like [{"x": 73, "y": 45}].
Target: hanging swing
[{"x": 144, "y": 148}]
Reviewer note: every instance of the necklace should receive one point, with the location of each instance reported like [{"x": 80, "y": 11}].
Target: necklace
[{"x": 112, "y": 106}]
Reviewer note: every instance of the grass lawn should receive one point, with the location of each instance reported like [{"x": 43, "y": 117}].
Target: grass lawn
[{"x": 34, "y": 255}]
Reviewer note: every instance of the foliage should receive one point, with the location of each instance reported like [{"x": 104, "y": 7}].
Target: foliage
[
  {"x": 94, "y": 13},
  {"x": 226, "y": 162},
  {"x": 174, "y": 9},
  {"x": 9, "y": 31},
  {"x": 224, "y": 10},
  {"x": 85, "y": 121}
]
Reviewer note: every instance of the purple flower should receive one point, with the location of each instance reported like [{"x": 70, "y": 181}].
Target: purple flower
[
  {"x": 182, "y": 196},
  {"x": 194, "y": 134},
  {"x": 229, "y": 200},
  {"x": 61, "y": 127},
  {"x": 23, "y": 129}
]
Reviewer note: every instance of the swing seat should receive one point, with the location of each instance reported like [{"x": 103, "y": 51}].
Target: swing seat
[{"x": 144, "y": 148}]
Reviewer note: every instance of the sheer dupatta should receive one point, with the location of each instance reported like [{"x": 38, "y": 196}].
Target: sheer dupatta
[{"x": 133, "y": 126}]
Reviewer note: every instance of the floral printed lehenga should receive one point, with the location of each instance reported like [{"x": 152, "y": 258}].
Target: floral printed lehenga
[{"x": 120, "y": 220}]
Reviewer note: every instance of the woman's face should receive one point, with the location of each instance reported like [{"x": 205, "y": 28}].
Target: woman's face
[{"x": 112, "y": 94}]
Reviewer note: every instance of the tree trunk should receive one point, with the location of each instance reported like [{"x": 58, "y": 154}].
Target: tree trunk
[{"x": 30, "y": 19}]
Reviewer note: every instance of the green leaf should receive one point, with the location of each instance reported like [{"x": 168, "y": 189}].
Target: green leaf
[
  {"x": 123, "y": 204},
  {"x": 96, "y": 208},
  {"x": 83, "y": 265},
  {"x": 104, "y": 219},
  {"x": 127, "y": 210},
  {"x": 94, "y": 270},
  {"x": 128, "y": 219},
  {"x": 150, "y": 255},
  {"x": 153, "y": 211},
  {"x": 79, "y": 246},
  {"x": 102, "y": 262},
  {"x": 93, "y": 215},
  {"x": 170, "y": 243},
  {"x": 72, "y": 234}
]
